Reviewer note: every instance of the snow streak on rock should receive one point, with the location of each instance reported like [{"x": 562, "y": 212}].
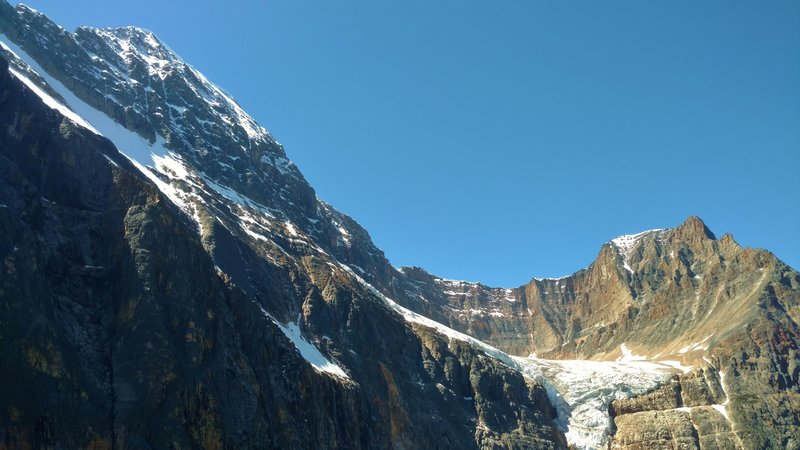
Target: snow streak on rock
[
  {"x": 307, "y": 350},
  {"x": 627, "y": 243}
]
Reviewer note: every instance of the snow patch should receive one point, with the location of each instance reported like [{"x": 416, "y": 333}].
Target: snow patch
[
  {"x": 627, "y": 355},
  {"x": 626, "y": 244},
  {"x": 552, "y": 278},
  {"x": 235, "y": 197},
  {"x": 449, "y": 282},
  {"x": 723, "y": 408},
  {"x": 701, "y": 345},
  {"x": 343, "y": 233},
  {"x": 307, "y": 350},
  {"x": 291, "y": 228}
]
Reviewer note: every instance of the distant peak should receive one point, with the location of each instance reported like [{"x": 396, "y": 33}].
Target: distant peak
[
  {"x": 728, "y": 239},
  {"x": 30, "y": 15},
  {"x": 694, "y": 226},
  {"x": 25, "y": 8},
  {"x": 143, "y": 40},
  {"x": 131, "y": 31},
  {"x": 626, "y": 242}
]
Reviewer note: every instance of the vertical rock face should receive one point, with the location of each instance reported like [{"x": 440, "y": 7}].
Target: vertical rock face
[
  {"x": 689, "y": 412},
  {"x": 170, "y": 280},
  {"x": 121, "y": 330}
]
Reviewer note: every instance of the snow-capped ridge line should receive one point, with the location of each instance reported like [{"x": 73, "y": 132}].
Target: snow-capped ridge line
[
  {"x": 148, "y": 158},
  {"x": 625, "y": 245}
]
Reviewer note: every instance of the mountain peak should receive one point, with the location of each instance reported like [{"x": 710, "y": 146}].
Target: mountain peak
[
  {"x": 693, "y": 226},
  {"x": 627, "y": 242},
  {"x": 23, "y": 8},
  {"x": 135, "y": 34},
  {"x": 131, "y": 43}
]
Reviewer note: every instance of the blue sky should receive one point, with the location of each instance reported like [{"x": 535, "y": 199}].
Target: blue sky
[{"x": 496, "y": 141}]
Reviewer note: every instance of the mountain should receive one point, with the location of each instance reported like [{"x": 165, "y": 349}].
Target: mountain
[{"x": 170, "y": 280}]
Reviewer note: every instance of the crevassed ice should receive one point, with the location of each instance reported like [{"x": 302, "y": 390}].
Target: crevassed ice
[{"x": 581, "y": 391}]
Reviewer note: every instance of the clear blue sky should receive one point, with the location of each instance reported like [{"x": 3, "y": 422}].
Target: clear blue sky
[{"x": 496, "y": 141}]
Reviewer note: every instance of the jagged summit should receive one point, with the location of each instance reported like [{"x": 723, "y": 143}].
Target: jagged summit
[
  {"x": 25, "y": 9},
  {"x": 694, "y": 226},
  {"x": 132, "y": 42},
  {"x": 624, "y": 245}
]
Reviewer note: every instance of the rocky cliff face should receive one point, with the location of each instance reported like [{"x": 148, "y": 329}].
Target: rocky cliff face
[
  {"x": 674, "y": 292},
  {"x": 171, "y": 280},
  {"x": 679, "y": 296},
  {"x": 119, "y": 332},
  {"x": 121, "y": 329}
]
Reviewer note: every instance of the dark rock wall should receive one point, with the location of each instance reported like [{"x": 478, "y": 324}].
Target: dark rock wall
[{"x": 117, "y": 331}]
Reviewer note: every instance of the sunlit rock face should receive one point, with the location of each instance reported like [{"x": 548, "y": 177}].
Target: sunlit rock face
[{"x": 171, "y": 280}]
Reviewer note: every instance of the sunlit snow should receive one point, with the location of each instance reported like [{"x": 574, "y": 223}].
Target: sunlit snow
[
  {"x": 626, "y": 244},
  {"x": 307, "y": 350}
]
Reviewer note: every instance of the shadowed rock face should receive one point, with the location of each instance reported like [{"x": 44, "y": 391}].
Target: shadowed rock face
[
  {"x": 118, "y": 331},
  {"x": 139, "y": 303}
]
